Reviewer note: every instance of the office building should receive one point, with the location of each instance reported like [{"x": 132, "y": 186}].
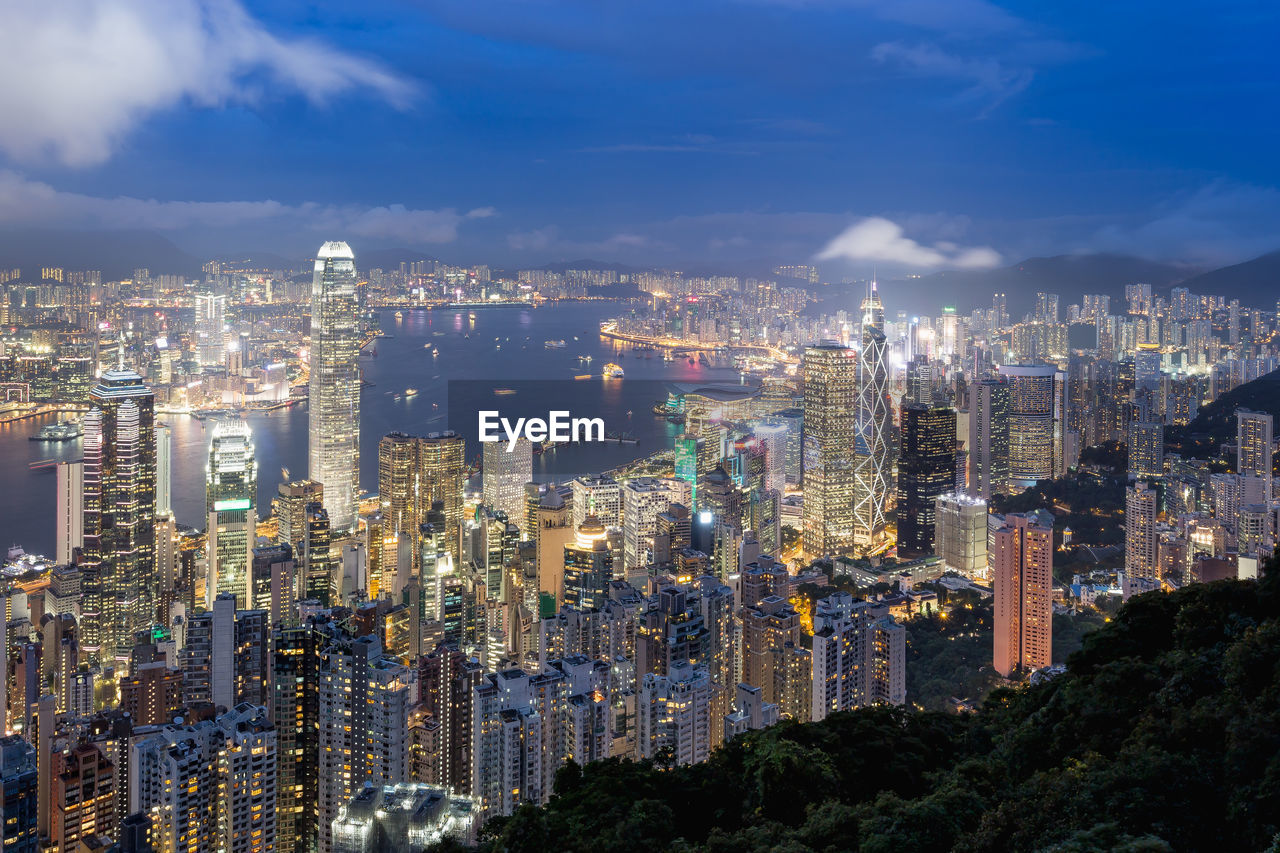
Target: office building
[
  {"x": 19, "y": 784},
  {"x": 289, "y": 506},
  {"x": 960, "y": 534},
  {"x": 643, "y": 500},
  {"x": 503, "y": 474},
  {"x": 988, "y": 438},
  {"x": 588, "y": 568},
  {"x": 1022, "y": 571},
  {"x": 597, "y": 495},
  {"x": 1032, "y": 443},
  {"x": 70, "y": 510},
  {"x": 119, "y": 495},
  {"x": 873, "y": 474},
  {"x": 831, "y": 397},
  {"x": 231, "y": 497},
  {"x": 334, "y": 395},
  {"x": 926, "y": 471}
]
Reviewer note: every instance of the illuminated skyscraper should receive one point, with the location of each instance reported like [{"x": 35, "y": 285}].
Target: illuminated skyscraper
[
  {"x": 1255, "y": 442},
  {"x": 231, "y": 498},
  {"x": 926, "y": 471},
  {"x": 830, "y": 423},
  {"x": 1032, "y": 445},
  {"x": 398, "y": 486},
  {"x": 1146, "y": 449},
  {"x": 597, "y": 495},
  {"x": 503, "y": 475},
  {"x": 119, "y": 512},
  {"x": 70, "y": 510},
  {"x": 1022, "y": 568},
  {"x": 441, "y": 457},
  {"x": 1140, "y": 509},
  {"x": 873, "y": 476},
  {"x": 334, "y": 395},
  {"x": 960, "y": 534},
  {"x": 988, "y": 438}
]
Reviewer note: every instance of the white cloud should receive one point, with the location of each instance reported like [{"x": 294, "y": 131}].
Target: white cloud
[
  {"x": 880, "y": 240},
  {"x": 24, "y": 202},
  {"x": 80, "y": 74}
]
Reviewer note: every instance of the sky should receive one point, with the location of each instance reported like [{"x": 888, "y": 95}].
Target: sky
[{"x": 910, "y": 135}]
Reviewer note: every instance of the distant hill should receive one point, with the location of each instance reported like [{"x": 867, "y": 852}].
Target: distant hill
[
  {"x": 116, "y": 253},
  {"x": 1246, "y": 281},
  {"x": 1215, "y": 424}
]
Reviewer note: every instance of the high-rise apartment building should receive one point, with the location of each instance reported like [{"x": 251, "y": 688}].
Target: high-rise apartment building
[
  {"x": 1022, "y": 570},
  {"x": 831, "y": 398},
  {"x": 643, "y": 500},
  {"x": 988, "y": 438},
  {"x": 19, "y": 787},
  {"x": 295, "y": 711},
  {"x": 1255, "y": 443},
  {"x": 334, "y": 395},
  {"x": 1146, "y": 449},
  {"x": 926, "y": 471},
  {"x": 503, "y": 474},
  {"x": 209, "y": 786},
  {"x": 119, "y": 495},
  {"x": 364, "y": 701},
  {"x": 1140, "y": 537},
  {"x": 674, "y": 714},
  {"x": 597, "y": 495},
  {"x": 231, "y": 499}
]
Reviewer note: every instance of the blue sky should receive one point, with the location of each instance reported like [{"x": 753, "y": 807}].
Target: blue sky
[{"x": 914, "y": 134}]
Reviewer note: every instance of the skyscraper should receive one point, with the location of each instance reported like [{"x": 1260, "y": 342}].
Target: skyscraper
[
  {"x": 873, "y": 476},
  {"x": 988, "y": 438},
  {"x": 1140, "y": 509},
  {"x": 1146, "y": 449},
  {"x": 334, "y": 393},
  {"x": 119, "y": 512},
  {"x": 830, "y": 425},
  {"x": 1022, "y": 566},
  {"x": 926, "y": 471},
  {"x": 70, "y": 510},
  {"x": 503, "y": 475},
  {"x": 231, "y": 498},
  {"x": 1255, "y": 442},
  {"x": 1032, "y": 447},
  {"x": 442, "y": 458}
]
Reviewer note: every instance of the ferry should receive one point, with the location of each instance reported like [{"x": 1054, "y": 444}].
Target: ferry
[
  {"x": 503, "y": 392},
  {"x": 435, "y": 353},
  {"x": 560, "y": 344},
  {"x": 471, "y": 315},
  {"x": 427, "y": 346},
  {"x": 410, "y": 392},
  {"x": 613, "y": 371},
  {"x": 61, "y": 431},
  {"x": 585, "y": 359},
  {"x": 399, "y": 315}
]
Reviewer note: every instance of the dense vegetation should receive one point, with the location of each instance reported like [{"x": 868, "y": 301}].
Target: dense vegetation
[
  {"x": 1164, "y": 734},
  {"x": 1089, "y": 503}
]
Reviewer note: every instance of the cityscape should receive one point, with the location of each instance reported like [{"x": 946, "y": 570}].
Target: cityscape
[{"x": 381, "y": 538}]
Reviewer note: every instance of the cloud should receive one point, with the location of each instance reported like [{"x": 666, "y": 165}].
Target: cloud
[
  {"x": 989, "y": 80},
  {"x": 537, "y": 239},
  {"x": 83, "y": 73},
  {"x": 881, "y": 240},
  {"x": 25, "y": 202}
]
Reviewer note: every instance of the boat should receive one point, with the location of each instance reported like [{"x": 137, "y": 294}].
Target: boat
[
  {"x": 395, "y": 396},
  {"x": 471, "y": 315},
  {"x": 411, "y": 392},
  {"x": 435, "y": 353},
  {"x": 399, "y": 315},
  {"x": 503, "y": 392},
  {"x": 61, "y": 431},
  {"x": 585, "y": 359},
  {"x": 427, "y": 346},
  {"x": 560, "y": 344},
  {"x": 436, "y": 334},
  {"x": 613, "y": 371}
]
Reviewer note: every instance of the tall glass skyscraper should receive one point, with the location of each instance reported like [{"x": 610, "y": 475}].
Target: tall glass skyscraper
[
  {"x": 231, "y": 496},
  {"x": 872, "y": 474},
  {"x": 119, "y": 513},
  {"x": 926, "y": 471},
  {"x": 830, "y": 419},
  {"x": 334, "y": 418}
]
